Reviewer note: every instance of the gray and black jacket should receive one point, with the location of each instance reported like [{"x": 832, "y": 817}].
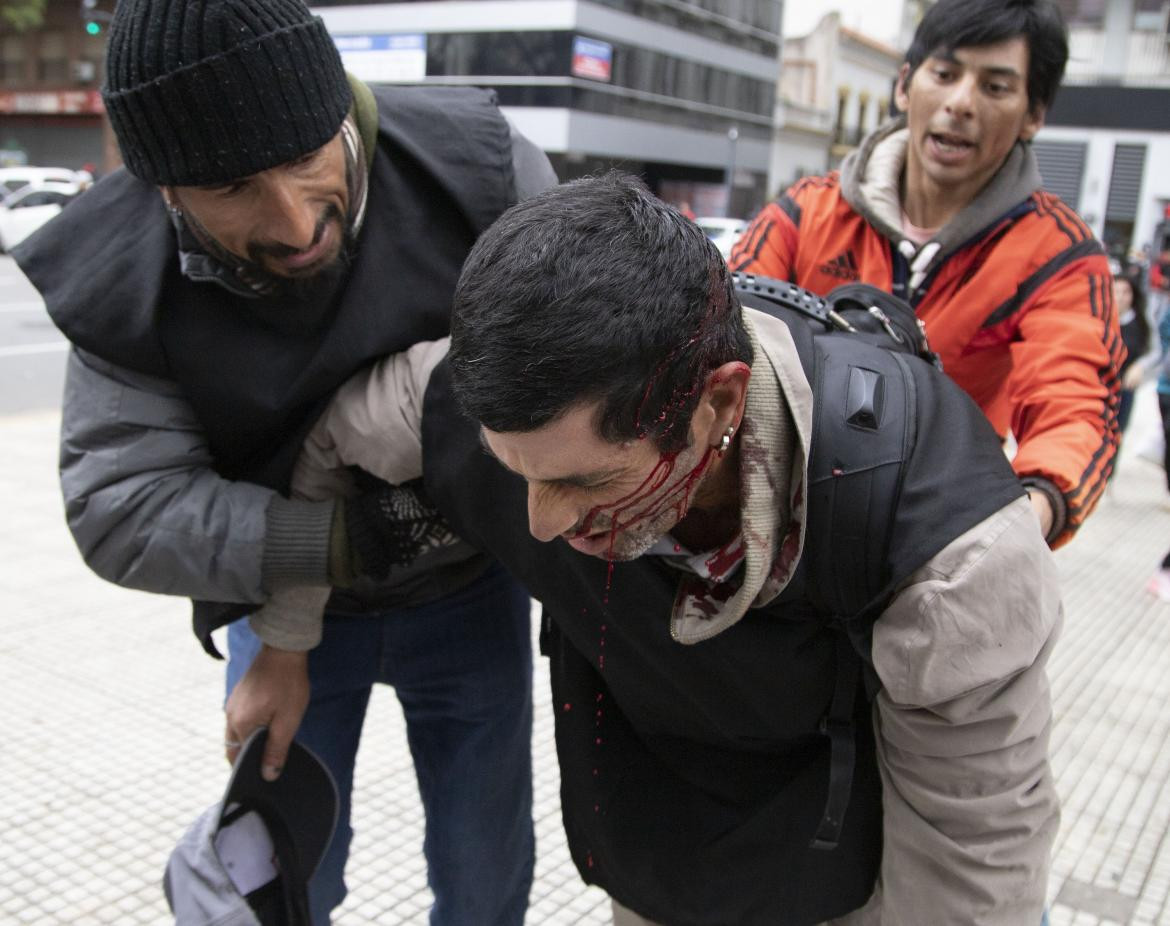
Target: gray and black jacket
[{"x": 186, "y": 399}]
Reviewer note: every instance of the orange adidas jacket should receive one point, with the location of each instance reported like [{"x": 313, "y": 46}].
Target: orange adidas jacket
[{"x": 1021, "y": 314}]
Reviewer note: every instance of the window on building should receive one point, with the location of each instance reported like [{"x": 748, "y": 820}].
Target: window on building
[
  {"x": 1149, "y": 15},
  {"x": 842, "y": 106},
  {"x": 87, "y": 69},
  {"x": 12, "y": 60},
  {"x": 1062, "y": 168},
  {"x": 503, "y": 54},
  {"x": 715, "y": 19},
  {"x": 750, "y": 25},
  {"x": 549, "y": 54},
  {"x": 611, "y": 104},
  {"x": 762, "y": 14},
  {"x": 798, "y": 81},
  {"x": 1125, "y": 187},
  {"x": 52, "y": 59},
  {"x": 862, "y": 117},
  {"x": 1083, "y": 12}
]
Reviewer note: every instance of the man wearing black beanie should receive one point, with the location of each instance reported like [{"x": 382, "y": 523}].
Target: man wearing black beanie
[{"x": 278, "y": 226}]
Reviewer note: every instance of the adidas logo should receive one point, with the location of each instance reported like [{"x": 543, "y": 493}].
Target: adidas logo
[{"x": 843, "y": 267}]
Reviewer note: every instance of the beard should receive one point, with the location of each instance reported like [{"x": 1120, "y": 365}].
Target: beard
[
  {"x": 316, "y": 289},
  {"x": 636, "y": 524},
  {"x": 630, "y": 544},
  {"x": 258, "y": 251},
  {"x": 315, "y": 283}
]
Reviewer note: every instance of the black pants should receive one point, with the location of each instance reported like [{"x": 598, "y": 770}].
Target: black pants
[{"x": 1164, "y": 408}]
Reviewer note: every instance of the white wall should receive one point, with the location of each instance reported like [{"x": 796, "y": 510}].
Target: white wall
[
  {"x": 617, "y": 137},
  {"x": 805, "y": 133},
  {"x": 1099, "y": 167},
  {"x": 865, "y": 74},
  {"x": 795, "y": 154}
]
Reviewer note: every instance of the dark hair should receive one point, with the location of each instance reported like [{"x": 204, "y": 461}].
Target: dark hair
[
  {"x": 1133, "y": 276},
  {"x": 1141, "y": 337},
  {"x": 594, "y": 290},
  {"x": 952, "y": 24}
]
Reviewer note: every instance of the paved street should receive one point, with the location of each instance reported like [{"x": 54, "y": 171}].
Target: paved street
[
  {"x": 112, "y": 735},
  {"x": 32, "y": 350}
]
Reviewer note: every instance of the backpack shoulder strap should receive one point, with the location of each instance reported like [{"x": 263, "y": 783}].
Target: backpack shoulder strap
[
  {"x": 864, "y": 402},
  {"x": 862, "y": 433},
  {"x": 863, "y": 428}
]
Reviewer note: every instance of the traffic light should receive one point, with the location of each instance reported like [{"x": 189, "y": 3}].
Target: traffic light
[{"x": 93, "y": 17}]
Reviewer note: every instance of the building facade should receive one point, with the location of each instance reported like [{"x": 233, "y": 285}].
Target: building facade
[
  {"x": 678, "y": 91},
  {"x": 51, "y": 112},
  {"x": 835, "y": 86},
  {"x": 1106, "y": 142}
]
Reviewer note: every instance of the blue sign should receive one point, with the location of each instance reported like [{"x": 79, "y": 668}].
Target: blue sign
[
  {"x": 592, "y": 59},
  {"x": 384, "y": 58}
]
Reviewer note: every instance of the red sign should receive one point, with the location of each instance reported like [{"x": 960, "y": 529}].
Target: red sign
[{"x": 51, "y": 102}]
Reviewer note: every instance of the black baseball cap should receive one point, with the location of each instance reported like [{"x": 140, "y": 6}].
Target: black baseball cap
[{"x": 247, "y": 860}]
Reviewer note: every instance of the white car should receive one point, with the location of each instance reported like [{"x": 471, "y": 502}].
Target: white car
[
  {"x": 724, "y": 232},
  {"x": 17, "y": 178},
  {"x": 26, "y": 210}
]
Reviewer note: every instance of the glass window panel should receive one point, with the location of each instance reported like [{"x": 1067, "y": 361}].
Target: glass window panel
[
  {"x": 739, "y": 23},
  {"x": 548, "y": 54}
]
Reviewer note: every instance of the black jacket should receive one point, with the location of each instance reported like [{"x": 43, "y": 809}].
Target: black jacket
[{"x": 693, "y": 778}]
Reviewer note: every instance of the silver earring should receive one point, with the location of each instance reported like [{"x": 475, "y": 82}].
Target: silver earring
[{"x": 725, "y": 441}]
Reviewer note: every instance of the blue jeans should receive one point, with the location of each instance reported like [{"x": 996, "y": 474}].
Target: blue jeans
[{"x": 462, "y": 670}]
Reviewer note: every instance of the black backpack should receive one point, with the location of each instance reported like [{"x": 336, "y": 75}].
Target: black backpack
[{"x": 863, "y": 429}]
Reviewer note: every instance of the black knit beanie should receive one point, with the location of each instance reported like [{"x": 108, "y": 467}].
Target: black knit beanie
[{"x": 207, "y": 91}]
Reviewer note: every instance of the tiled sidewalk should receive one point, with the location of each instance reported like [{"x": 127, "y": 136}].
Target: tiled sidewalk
[{"x": 112, "y": 732}]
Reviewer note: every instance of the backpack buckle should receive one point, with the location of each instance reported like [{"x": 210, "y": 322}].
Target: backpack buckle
[{"x": 885, "y": 323}]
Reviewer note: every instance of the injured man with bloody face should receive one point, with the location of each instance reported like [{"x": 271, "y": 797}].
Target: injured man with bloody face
[{"x": 740, "y": 740}]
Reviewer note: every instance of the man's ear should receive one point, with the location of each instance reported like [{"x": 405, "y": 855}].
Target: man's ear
[
  {"x": 722, "y": 403},
  {"x": 902, "y": 88},
  {"x": 1033, "y": 123}
]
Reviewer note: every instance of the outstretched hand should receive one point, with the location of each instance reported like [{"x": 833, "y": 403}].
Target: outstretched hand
[{"x": 274, "y": 692}]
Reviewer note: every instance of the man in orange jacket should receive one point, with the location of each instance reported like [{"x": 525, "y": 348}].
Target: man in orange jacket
[{"x": 943, "y": 206}]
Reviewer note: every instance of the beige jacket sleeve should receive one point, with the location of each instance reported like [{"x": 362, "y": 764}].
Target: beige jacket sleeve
[
  {"x": 373, "y": 422},
  {"x": 963, "y": 721}
]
